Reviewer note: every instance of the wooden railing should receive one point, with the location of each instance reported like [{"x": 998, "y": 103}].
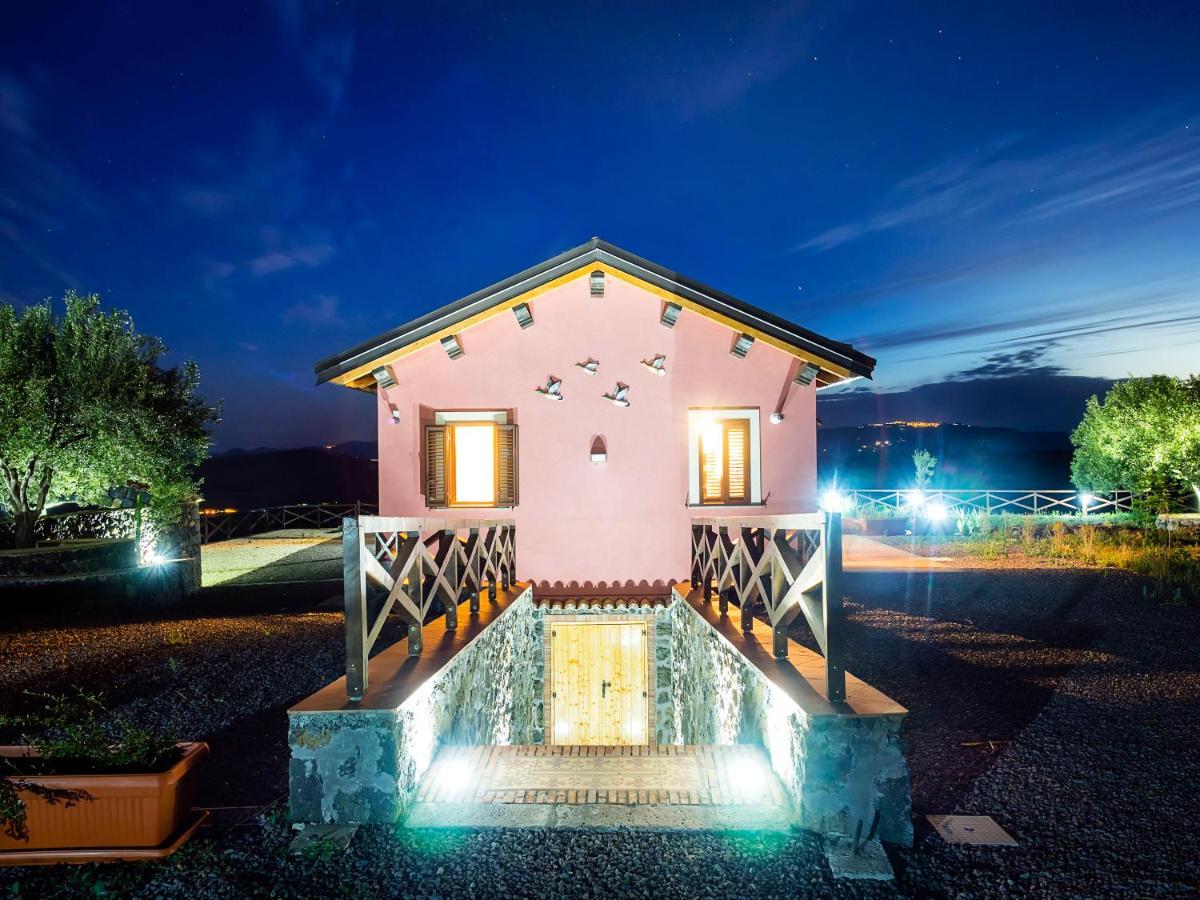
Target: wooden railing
[
  {"x": 411, "y": 564},
  {"x": 784, "y": 566},
  {"x": 222, "y": 526},
  {"x": 1021, "y": 502}
]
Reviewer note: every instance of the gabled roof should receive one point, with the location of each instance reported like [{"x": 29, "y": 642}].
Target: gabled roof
[{"x": 835, "y": 360}]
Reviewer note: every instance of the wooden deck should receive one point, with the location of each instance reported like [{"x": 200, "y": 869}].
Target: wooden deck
[
  {"x": 801, "y": 675},
  {"x": 674, "y": 775},
  {"x": 395, "y": 675}
]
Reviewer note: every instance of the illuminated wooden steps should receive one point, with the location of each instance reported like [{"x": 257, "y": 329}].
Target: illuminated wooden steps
[{"x": 663, "y": 775}]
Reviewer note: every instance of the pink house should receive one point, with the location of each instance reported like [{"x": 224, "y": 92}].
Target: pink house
[
  {"x": 602, "y": 401},
  {"x": 642, "y": 449}
]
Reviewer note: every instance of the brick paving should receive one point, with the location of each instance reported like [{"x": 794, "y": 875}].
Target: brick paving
[{"x": 676, "y": 775}]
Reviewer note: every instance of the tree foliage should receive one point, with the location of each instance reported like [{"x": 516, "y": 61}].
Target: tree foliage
[
  {"x": 924, "y": 463},
  {"x": 1144, "y": 436},
  {"x": 85, "y": 406}
]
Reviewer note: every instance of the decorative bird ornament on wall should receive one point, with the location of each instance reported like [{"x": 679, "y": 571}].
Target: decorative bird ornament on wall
[
  {"x": 590, "y": 366},
  {"x": 552, "y": 390},
  {"x": 619, "y": 396},
  {"x": 656, "y": 365}
]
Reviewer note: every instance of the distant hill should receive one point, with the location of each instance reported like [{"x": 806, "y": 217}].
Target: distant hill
[
  {"x": 246, "y": 479},
  {"x": 969, "y": 456},
  {"x": 863, "y": 456}
]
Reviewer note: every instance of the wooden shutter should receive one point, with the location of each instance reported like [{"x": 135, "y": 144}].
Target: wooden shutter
[
  {"x": 711, "y": 469},
  {"x": 435, "y": 460},
  {"x": 725, "y": 462},
  {"x": 737, "y": 460},
  {"x": 506, "y": 465}
]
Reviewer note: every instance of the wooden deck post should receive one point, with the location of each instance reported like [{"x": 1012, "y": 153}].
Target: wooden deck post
[
  {"x": 450, "y": 560},
  {"x": 708, "y": 565},
  {"x": 490, "y": 553},
  {"x": 412, "y": 543},
  {"x": 832, "y": 597},
  {"x": 745, "y": 575},
  {"x": 354, "y": 585},
  {"x": 474, "y": 570}
]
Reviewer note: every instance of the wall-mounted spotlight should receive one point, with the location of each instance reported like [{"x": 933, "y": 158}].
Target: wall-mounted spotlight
[
  {"x": 776, "y": 418},
  {"x": 384, "y": 378},
  {"x": 524, "y": 314},
  {"x": 452, "y": 346},
  {"x": 806, "y": 374},
  {"x": 589, "y": 367},
  {"x": 741, "y": 345},
  {"x": 596, "y": 279},
  {"x": 670, "y": 314}
]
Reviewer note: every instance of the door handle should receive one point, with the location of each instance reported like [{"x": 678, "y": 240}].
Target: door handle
[{"x": 604, "y": 686}]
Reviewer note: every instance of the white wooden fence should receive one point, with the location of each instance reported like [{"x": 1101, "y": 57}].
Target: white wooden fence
[{"x": 1021, "y": 502}]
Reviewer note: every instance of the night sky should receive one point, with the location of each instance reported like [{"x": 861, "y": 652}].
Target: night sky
[{"x": 1002, "y": 204}]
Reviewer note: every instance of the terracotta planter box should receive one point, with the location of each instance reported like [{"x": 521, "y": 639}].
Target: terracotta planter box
[{"x": 127, "y": 816}]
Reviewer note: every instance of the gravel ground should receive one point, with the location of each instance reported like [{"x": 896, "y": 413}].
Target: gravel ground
[
  {"x": 1058, "y": 702},
  {"x": 275, "y": 557}
]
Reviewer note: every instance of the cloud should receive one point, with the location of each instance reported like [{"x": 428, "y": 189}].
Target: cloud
[
  {"x": 42, "y": 193},
  {"x": 206, "y": 201},
  {"x": 1136, "y": 170},
  {"x": 322, "y": 311},
  {"x": 324, "y": 41},
  {"x": 15, "y": 108},
  {"x": 247, "y": 346},
  {"x": 308, "y": 255},
  {"x": 721, "y": 57},
  {"x": 1160, "y": 307},
  {"x": 1027, "y": 361}
]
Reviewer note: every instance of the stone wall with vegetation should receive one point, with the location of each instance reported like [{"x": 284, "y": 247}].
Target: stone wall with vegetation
[
  {"x": 179, "y": 543},
  {"x": 100, "y": 523},
  {"x": 836, "y": 769},
  {"x": 364, "y": 766}
]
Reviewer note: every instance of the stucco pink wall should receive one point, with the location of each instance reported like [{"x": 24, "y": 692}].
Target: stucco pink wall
[{"x": 624, "y": 519}]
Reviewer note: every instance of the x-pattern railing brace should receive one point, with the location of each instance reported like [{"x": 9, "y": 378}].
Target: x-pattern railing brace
[
  {"x": 788, "y": 565},
  {"x": 418, "y": 563}
]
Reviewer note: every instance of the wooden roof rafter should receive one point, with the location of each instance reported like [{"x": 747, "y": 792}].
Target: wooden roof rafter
[{"x": 837, "y": 362}]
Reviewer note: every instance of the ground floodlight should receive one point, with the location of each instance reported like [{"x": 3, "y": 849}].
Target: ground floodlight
[
  {"x": 935, "y": 512},
  {"x": 834, "y": 500}
]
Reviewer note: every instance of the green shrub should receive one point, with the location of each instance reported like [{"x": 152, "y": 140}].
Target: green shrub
[{"x": 69, "y": 736}]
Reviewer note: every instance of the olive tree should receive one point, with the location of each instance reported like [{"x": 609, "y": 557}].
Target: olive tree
[
  {"x": 85, "y": 406},
  {"x": 924, "y": 463},
  {"x": 1143, "y": 436}
]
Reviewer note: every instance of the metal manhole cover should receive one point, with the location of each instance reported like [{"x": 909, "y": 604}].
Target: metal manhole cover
[{"x": 980, "y": 830}]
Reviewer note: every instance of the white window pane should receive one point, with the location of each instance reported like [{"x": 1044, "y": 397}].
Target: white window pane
[{"x": 474, "y": 464}]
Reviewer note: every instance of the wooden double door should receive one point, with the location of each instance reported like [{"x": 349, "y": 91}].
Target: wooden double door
[{"x": 599, "y": 683}]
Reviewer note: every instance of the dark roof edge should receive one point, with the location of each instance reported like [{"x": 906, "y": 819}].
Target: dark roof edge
[{"x": 595, "y": 250}]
